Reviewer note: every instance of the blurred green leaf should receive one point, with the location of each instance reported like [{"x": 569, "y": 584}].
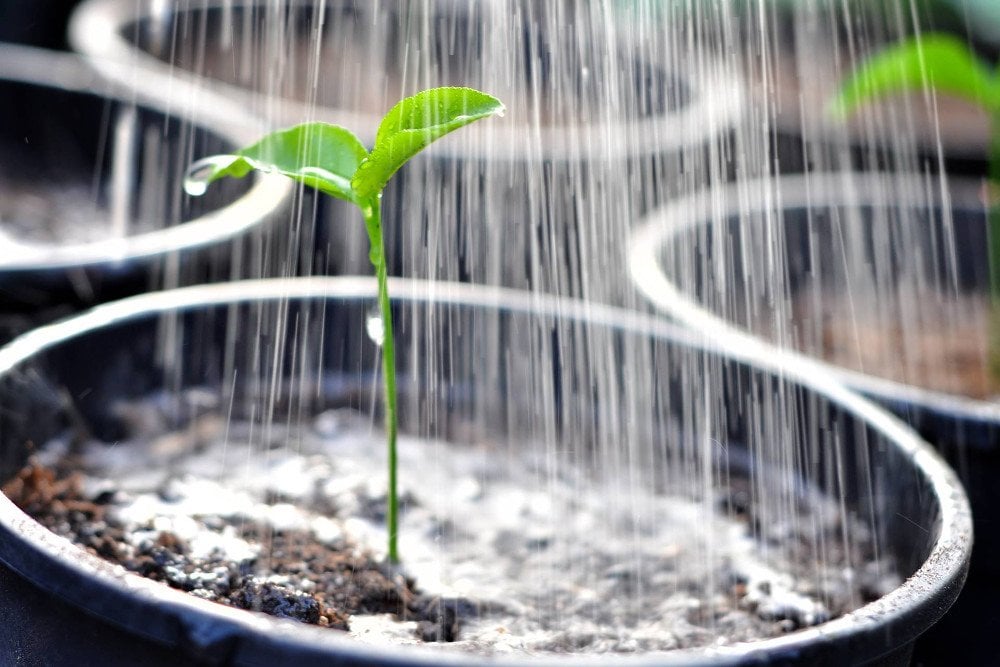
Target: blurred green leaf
[{"x": 938, "y": 61}]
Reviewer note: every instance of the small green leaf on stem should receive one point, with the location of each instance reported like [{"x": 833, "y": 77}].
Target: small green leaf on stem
[
  {"x": 320, "y": 155},
  {"x": 934, "y": 61},
  {"x": 414, "y": 123}
]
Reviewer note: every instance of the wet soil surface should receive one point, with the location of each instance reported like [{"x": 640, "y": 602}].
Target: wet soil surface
[
  {"x": 943, "y": 347},
  {"x": 299, "y": 578},
  {"x": 41, "y": 214},
  {"x": 502, "y": 554}
]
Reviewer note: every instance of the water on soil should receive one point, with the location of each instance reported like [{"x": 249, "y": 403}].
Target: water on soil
[{"x": 501, "y": 555}]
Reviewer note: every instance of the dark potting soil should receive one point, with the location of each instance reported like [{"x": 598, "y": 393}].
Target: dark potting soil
[
  {"x": 298, "y": 579},
  {"x": 938, "y": 346},
  {"x": 40, "y": 214},
  {"x": 501, "y": 554}
]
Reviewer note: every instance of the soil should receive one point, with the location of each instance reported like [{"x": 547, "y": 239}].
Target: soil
[
  {"x": 945, "y": 349},
  {"x": 302, "y": 579},
  {"x": 500, "y": 555},
  {"x": 39, "y": 214}
]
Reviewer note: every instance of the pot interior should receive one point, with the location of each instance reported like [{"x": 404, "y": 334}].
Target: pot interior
[
  {"x": 81, "y": 166},
  {"x": 881, "y": 278},
  {"x": 362, "y": 57},
  {"x": 629, "y": 405}
]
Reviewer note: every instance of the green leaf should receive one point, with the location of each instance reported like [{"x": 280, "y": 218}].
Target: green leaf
[
  {"x": 414, "y": 123},
  {"x": 320, "y": 155},
  {"x": 939, "y": 61}
]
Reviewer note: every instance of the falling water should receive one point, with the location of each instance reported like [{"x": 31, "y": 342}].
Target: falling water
[
  {"x": 123, "y": 166},
  {"x": 867, "y": 253},
  {"x": 618, "y": 110}
]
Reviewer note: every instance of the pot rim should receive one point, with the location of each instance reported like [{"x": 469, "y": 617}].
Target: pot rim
[
  {"x": 799, "y": 190},
  {"x": 97, "y": 26},
  {"x": 902, "y": 614},
  {"x": 67, "y": 72}
]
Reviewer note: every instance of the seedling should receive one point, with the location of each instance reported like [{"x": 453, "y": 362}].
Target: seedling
[
  {"x": 333, "y": 160},
  {"x": 944, "y": 63}
]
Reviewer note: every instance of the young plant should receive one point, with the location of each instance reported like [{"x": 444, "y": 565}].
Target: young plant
[
  {"x": 333, "y": 160},
  {"x": 946, "y": 64}
]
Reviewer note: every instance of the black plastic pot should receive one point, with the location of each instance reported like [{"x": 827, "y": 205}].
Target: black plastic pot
[
  {"x": 531, "y": 182},
  {"x": 481, "y": 364},
  {"x": 75, "y": 148},
  {"x": 736, "y": 260}
]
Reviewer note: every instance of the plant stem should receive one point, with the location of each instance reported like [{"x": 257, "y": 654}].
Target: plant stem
[{"x": 371, "y": 209}]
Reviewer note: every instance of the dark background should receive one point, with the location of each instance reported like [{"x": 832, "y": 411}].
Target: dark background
[{"x": 36, "y": 22}]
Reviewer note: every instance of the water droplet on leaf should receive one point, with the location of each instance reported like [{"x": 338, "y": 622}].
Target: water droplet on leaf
[
  {"x": 203, "y": 172},
  {"x": 194, "y": 187}
]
